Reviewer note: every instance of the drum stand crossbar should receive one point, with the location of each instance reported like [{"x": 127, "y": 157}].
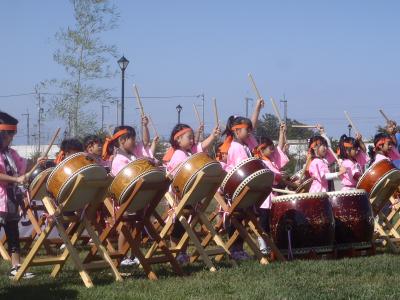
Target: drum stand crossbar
[
  {"x": 79, "y": 222},
  {"x": 244, "y": 220},
  {"x": 190, "y": 217},
  {"x": 141, "y": 220}
]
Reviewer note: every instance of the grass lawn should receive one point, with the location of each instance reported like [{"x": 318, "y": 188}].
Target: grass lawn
[{"x": 368, "y": 277}]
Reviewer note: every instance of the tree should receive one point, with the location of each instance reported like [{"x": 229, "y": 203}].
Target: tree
[{"x": 84, "y": 57}]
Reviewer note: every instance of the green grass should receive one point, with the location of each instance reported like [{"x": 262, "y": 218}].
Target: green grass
[{"x": 368, "y": 278}]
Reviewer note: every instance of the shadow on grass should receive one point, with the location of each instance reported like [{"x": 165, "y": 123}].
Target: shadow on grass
[{"x": 42, "y": 291}]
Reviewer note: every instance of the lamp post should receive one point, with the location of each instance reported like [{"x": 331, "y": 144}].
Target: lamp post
[
  {"x": 179, "y": 109},
  {"x": 349, "y": 127},
  {"x": 123, "y": 63}
]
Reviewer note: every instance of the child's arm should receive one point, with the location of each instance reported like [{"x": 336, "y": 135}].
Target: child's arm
[
  {"x": 209, "y": 140},
  {"x": 256, "y": 113},
  {"x": 145, "y": 131},
  {"x": 154, "y": 145},
  {"x": 362, "y": 145},
  {"x": 282, "y": 136},
  {"x": 198, "y": 133},
  {"x": 11, "y": 179},
  {"x": 322, "y": 132}
]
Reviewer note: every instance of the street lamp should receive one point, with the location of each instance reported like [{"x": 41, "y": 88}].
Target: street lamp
[
  {"x": 123, "y": 63},
  {"x": 349, "y": 127},
  {"x": 179, "y": 109}
]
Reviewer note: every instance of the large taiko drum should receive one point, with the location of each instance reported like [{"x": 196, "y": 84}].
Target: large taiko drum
[
  {"x": 61, "y": 180},
  {"x": 304, "y": 222},
  {"x": 186, "y": 174},
  {"x": 305, "y": 182},
  {"x": 354, "y": 222},
  {"x": 251, "y": 173},
  {"x": 380, "y": 180},
  {"x": 126, "y": 180}
]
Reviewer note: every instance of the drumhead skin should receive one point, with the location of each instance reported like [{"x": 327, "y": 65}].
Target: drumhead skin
[
  {"x": 354, "y": 222},
  {"x": 42, "y": 192},
  {"x": 62, "y": 178},
  {"x": 307, "y": 219},
  {"x": 187, "y": 172},
  {"x": 252, "y": 173},
  {"x": 126, "y": 180}
]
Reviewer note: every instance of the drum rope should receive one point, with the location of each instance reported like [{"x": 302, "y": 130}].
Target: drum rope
[{"x": 224, "y": 213}]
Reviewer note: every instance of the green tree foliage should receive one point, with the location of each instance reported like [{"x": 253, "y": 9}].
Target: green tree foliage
[{"x": 84, "y": 57}]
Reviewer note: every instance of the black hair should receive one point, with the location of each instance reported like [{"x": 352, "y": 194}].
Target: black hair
[
  {"x": 90, "y": 140},
  {"x": 175, "y": 130},
  {"x": 316, "y": 138},
  {"x": 71, "y": 144},
  {"x": 5, "y": 118},
  {"x": 235, "y": 120},
  {"x": 266, "y": 140},
  {"x": 342, "y": 149}
]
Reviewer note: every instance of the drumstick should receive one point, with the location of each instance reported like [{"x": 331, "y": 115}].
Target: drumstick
[
  {"x": 335, "y": 156},
  {"x": 351, "y": 122},
  {"x": 254, "y": 86},
  {"x": 46, "y": 152},
  {"x": 384, "y": 116},
  {"x": 277, "y": 114},
  {"x": 152, "y": 125},
  {"x": 283, "y": 191},
  {"x": 197, "y": 113},
  {"x": 216, "y": 111},
  {"x": 138, "y": 100},
  {"x": 303, "y": 126}
]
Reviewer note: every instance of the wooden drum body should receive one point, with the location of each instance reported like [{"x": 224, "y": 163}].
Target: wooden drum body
[
  {"x": 61, "y": 180},
  {"x": 189, "y": 169},
  {"x": 252, "y": 173},
  {"x": 306, "y": 219},
  {"x": 305, "y": 182},
  {"x": 126, "y": 180},
  {"x": 380, "y": 180},
  {"x": 354, "y": 222}
]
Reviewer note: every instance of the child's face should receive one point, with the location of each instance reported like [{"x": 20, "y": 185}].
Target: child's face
[
  {"x": 387, "y": 146},
  {"x": 128, "y": 144},
  {"x": 268, "y": 151},
  {"x": 94, "y": 148},
  {"x": 242, "y": 133},
  {"x": 186, "y": 140},
  {"x": 320, "y": 150},
  {"x": 391, "y": 128},
  {"x": 7, "y": 139},
  {"x": 224, "y": 157},
  {"x": 353, "y": 152}
]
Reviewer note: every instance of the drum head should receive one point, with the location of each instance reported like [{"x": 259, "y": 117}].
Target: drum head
[
  {"x": 260, "y": 184},
  {"x": 231, "y": 172},
  {"x": 383, "y": 189},
  {"x": 143, "y": 197},
  {"x": 305, "y": 186}
]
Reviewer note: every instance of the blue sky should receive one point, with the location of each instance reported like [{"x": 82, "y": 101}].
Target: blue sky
[{"x": 326, "y": 56}]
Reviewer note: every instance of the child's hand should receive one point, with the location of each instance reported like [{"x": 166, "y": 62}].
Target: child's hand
[
  {"x": 201, "y": 128},
  {"x": 156, "y": 139},
  {"x": 358, "y": 136},
  {"x": 22, "y": 179},
  {"x": 145, "y": 121},
  {"x": 320, "y": 128},
  {"x": 41, "y": 160},
  {"x": 260, "y": 103},
  {"x": 283, "y": 127},
  {"x": 342, "y": 170},
  {"x": 216, "y": 131}
]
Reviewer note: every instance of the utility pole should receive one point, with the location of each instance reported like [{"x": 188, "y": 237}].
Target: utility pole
[
  {"x": 102, "y": 116},
  {"x": 247, "y": 99},
  {"x": 40, "y": 112},
  {"x": 284, "y": 101},
  {"x": 27, "y": 127}
]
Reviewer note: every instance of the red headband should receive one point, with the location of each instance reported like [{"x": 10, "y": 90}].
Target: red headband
[
  {"x": 105, "y": 155},
  {"x": 382, "y": 141},
  {"x": 181, "y": 132},
  {"x": 348, "y": 145},
  {"x": 8, "y": 127},
  {"x": 239, "y": 126}
]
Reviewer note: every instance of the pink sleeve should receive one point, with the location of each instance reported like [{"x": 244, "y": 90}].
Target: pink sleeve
[
  {"x": 118, "y": 163},
  {"x": 20, "y": 162},
  {"x": 362, "y": 158},
  {"x": 251, "y": 142},
  {"x": 139, "y": 150},
  {"x": 394, "y": 154},
  {"x": 236, "y": 154},
  {"x": 329, "y": 156},
  {"x": 279, "y": 158},
  {"x": 177, "y": 158},
  {"x": 318, "y": 169},
  {"x": 196, "y": 148}
]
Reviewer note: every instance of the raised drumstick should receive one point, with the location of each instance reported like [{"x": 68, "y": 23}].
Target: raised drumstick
[
  {"x": 384, "y": 116},
  {"x": 46, "y": 152},
  {"x": 277, "y": 114},
  {"x": 152, "y": 125},
  {"x": 351, "y": 122},
  {"x": 253, "y": 83},
  {"x": 138, "y": 100},
  {"x": 216, "y": 111},
  {"x": 197, "y": 113},
  {"x": 303, "y": 126}
]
